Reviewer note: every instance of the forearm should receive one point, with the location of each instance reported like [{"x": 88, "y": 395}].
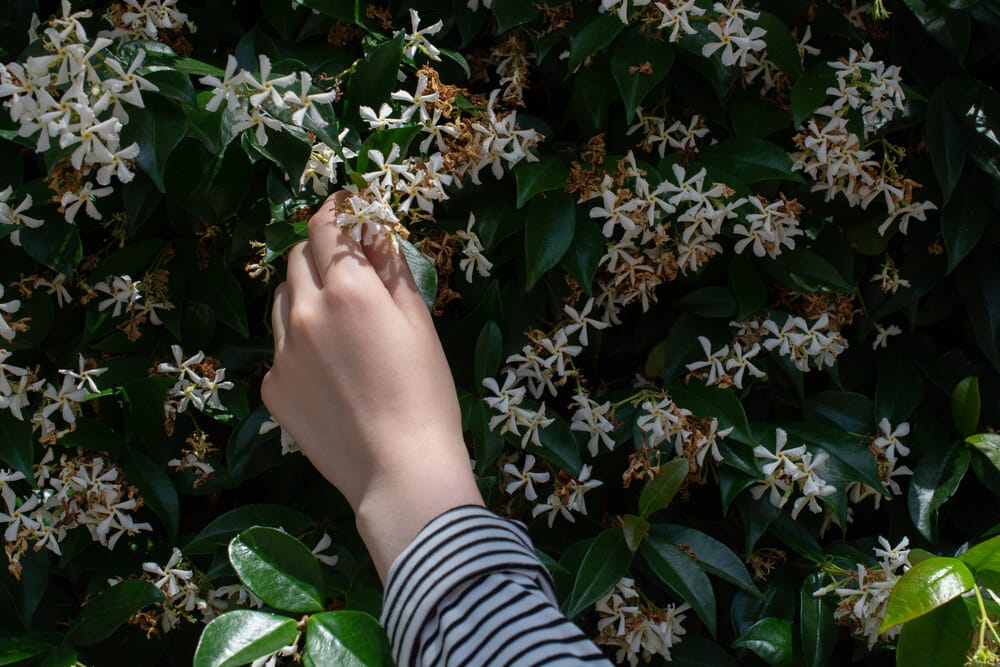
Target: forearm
[{"x": 471, "y": 591}]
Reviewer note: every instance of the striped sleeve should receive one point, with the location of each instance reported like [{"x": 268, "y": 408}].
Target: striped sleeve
[{"x": 469, "y": 590}]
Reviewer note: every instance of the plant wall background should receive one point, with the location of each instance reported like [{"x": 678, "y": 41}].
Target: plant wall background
[{"x": 718, "y": 282}]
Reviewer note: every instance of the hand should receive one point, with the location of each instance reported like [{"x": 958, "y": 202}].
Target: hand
[{"x": 361, "y": 382}]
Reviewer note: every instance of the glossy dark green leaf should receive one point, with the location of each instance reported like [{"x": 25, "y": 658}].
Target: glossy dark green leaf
[
  {"x": 659, "y": 491},
  {"x": 809, "y": 93},
  {"x": 60, "y": 656},
  {"x": 750, "y": 160},
  {"x": 155, "y": 487},
  {"x": 173, "y": 85},
  {"x": 817, "y": 628},
  {"x": 984, "y": 556},
  {"x": 18, "y": 450},
  {"x": 593, "y": 92},
  {"x": 221, "y": 530},
  {"x": 424, "y": 272},
  {"x": 548, "y": 234},
  {"x": 965, "y": 406},
  {"x": 806, "y": 270},
  {"x": 935, "y": 479},
  {"x": 512, "y": 13},
  {"x": 639, "y": 63},
  {"x": 544, "y": 175},
  {"x": 585, "y": 252},
  {"x": 375, "y": 77},
  {"x": 939, "y": 637},
  {"x": 989, "y": 445},
  {"x": 849, "y": 410},
  {"x": 605, "y": 562},
  {"x": 110, "y": 609},
  {"x": 678, "y": 571},
  {"x": 595, "y": 35},
  {"x": 157, "y": 128},
  {"x": 635, "y": 528},
  {"x": 722, "y": 404},
  {"x": 288, "y": 148},
  {"x": 16, "y": 649},
  {"x": 781, "y": 46},
  {"x": 849, "y": 455},
  {"x": 979, "y": 289},
  {"x": 709, "y": 554},
  {"x": 964, "y": 220},
  {"x": 278, "y": 568},
  {"x": 488, "y": 353},
  {"x": 709, "y": 302},
  {"x": 143, "y": 403},
  {"x": 771, "y": 640},
  {"x": 240, "y": 636},
  {"x": 559, "y": 447},
  {"x": 924, "y": 587},
  {"x": 697, "y": 651},
  {"x": 945, "y": 141},
  {"x": 348, "y": 638},
  {"x": 950, "y": 29},
  {"x": 900, "y": 387},
  {"x": 747, "y": 286}
]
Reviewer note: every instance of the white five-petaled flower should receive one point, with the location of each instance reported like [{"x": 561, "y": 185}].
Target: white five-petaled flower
[{"x": 524, "y": 477}]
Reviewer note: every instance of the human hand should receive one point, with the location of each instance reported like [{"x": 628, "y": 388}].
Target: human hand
[{"x": 361, "y": 382}]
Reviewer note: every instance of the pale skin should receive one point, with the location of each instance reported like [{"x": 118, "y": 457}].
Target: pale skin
[{"x": 361, "y": 382}]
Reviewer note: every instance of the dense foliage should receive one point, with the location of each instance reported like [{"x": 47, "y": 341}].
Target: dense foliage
[{"x": 718, "y": 283}]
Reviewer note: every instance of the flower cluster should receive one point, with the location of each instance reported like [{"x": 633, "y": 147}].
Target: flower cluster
[
  {"x": 566, "y": 497},
  {"x": 837, "y": 159},
  {"x": 137, "y": 300},
  {"x": 74, "y": 97},
  {"x": 864, "y": 594},
  {"x": 73, "y": 491},
  {"x": 791, "y": 470},
  {"x": 738, "y": 41},
  {"x": 636, "y": 628},
  {"x": 18, "y": 384},
  {"x": 148, "y": 18},
  {"x": 660, "y": 136},
  {"x": 199, "y": 381},
  {"x": 887, "y": 450}
]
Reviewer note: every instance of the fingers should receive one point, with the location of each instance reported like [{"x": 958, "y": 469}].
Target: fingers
[
  {"x": 387, "y": 259},
  {"x": 303, "y": 274},
  {"x": 280, "y": 311},
  {"x": 334, "y": 251}
]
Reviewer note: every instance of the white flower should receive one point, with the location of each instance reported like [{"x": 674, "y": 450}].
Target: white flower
[
  {"x": 591, "y": 418},
  {"x": 474, "y": 260},
  {"x": 171, "y": 579},
  {"x": 123, "y": 292},
  {"x": 418, "y": 38},
  {"x": 524, "y": 478},
  {"x": 6, "y": 330}
]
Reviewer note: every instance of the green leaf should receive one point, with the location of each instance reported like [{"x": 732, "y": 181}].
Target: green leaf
[
  {"x": 584, "y": 254},
  {"x": 635, "y": 528},
  {"x": 710, "y": 302},
  {"x": 939, "y": 637},
  {"x": 771, "y": 639},
  {"x": 56, "y": 244},
  {"x": 544, "y": 175},
  {"x": 948, "y": 28},
  {"x": 16, "y": 649},
  {"x": 288, "y": 148},
  {"x": 817, "y": 628},
  {"x": 979, "y": 288},
  {"x": 107, "y": 611},
  {"x": 935, "y": 479},
  {"x": 240, "y": 636},
  {"x": 679, "y": 572},
  {"x": 748, "y": 287},
  {"x": 598, "y": 33},
  {"x": 375, "y": 77},
  {"x": 965, "y": 406},
  {"x": 512, "y": 13},
  {"x": 559, "y": 447},
  {"x": 278, "y": 568},
  {"x": 344, "y": 10},
  {"x": 964, "y": 220},
  {"x": 173, "y": 84},
  {"x": 697, "y": 651},
  {"x": 488, "y": 354},
  {"x": 945, "y": 141},
  {"x": 924, "y": 587},
  {"x": 18, "y": 450},
  {"x": 849, "y": 410},
  {"x": 604, "y": 564},
  {"x": 900, "y": 387},
  {"x": 220, "y": 530},
  {"x": 345, "y": 638},
  {"x": 424, "y": 272},
  {"x": 709, "y": 554},
  {"x": 806, "y": 271},
  {"x": 809, "y": 92},
  {"x": 781, "y": 46},
  {"x": 659, "y": 491},
  {"x": 155, "y": 487},
  {"x": 157, "y": 128},
  {"x": 630, "y": 53},
  {"x": 225, "y": 298},
  {"x": 985, "y": 556},
  {"x": 551, "y": 221},
  {"x": 849, "y": 455},
  {"x": 750, "y": 160},
  {"x": 989, "y": 445},
  {"x": 60, "y": 656}
]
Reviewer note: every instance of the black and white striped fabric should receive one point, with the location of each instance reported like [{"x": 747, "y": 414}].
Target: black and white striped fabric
[{"x": 469, "y": 591}]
